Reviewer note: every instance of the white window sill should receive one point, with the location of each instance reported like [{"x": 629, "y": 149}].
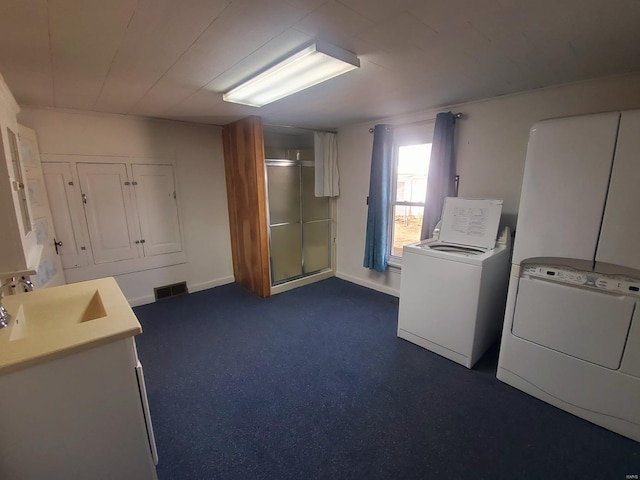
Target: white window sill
[{"x": 395, "y": 263}]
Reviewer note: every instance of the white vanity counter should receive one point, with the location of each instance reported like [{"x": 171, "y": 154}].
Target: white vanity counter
[{"x": 54, "y": 322}]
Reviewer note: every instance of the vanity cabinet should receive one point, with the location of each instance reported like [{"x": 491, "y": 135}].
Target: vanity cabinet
[
  {"x": 71, "y": 387},
  {"x": 80, "y": 416},
  {"x": 19, "y": 249}
]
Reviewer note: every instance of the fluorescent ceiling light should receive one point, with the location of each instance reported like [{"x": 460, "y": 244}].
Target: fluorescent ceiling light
[{"x": 306, "y": 68}]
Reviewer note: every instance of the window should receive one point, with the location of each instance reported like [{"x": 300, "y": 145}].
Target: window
[{"x": 412, "y": 152}]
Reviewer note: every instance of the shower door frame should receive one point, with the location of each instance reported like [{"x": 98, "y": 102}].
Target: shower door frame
[{"x": 302, "y": 279}]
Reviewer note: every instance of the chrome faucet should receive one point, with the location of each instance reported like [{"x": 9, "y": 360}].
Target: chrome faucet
[{"x": 12, "y": 282}]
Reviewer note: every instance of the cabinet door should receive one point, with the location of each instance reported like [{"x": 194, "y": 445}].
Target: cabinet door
[
  {"x": 66, "y": 211},
  {"x": 618, "y": 243},
  {"x": 50, "y": 272},
  {"x": 157, "y": 209},
  {"x": 564, "y": 187},
  {"x": 109, "y": 211}
]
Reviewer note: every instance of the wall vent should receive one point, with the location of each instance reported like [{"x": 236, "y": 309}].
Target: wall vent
[{"x": 170, "y": 290}]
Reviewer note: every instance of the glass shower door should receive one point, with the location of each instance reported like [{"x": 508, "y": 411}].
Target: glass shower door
[
  {"x": 316, "y": 226},
  {"x": 285, "y": 228},
  {"x": 299, "y": 222}
]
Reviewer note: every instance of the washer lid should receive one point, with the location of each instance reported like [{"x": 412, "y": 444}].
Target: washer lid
[
  {"x": 470, "y": 222},
  {"x": 424, "y": 248}
]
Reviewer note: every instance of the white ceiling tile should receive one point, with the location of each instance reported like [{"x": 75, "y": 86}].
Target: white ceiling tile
[
  {"x": 347, "y": 95},
  {"x": 240, "y": 30},
  {"x": 25, "y": 59},
  {"x": 377, "y": 11},
  {"x": 85, "y": 36},
  {"x": 289, "y": 41},
  {"x": 402, "y": 31},
  {"x": 306, "y": 6},
  {"x": 159, "y": 33},
  {"x": 212, "y": 105},
  {"x": 173, "y": 59},
  {"x": 334, "y": 23},
  {"x": 447, "y": 16}
]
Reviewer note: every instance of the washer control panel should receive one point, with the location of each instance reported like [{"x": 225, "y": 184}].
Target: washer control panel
[{"x": 610, "y": 283}]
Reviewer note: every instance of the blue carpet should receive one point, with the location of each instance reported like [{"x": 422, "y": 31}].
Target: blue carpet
[{"x": 314, "y": 384}]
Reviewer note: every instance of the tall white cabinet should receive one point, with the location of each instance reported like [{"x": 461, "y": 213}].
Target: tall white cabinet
[
  {"x": 108, "y": 207},
  {"x": 155, "y": 193},
  {"x": 118, "y": 215},
  {"x": 50, "y": 271},
  {"x": 67, "y": 218},
  {"x": 19, "y": 248}
]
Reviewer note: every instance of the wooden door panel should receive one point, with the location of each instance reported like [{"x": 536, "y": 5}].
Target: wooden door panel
[{"x": 246, "y": 196}]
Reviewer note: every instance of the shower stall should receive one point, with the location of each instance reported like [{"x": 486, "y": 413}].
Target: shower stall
[{"x": 300, "y": 224}]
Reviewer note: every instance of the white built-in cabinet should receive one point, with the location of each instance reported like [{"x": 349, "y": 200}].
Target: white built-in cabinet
[
  {"x": 19, "y": 249},
  {"x": 108, "y": 206},
  {"x": 157, "y": 209},
  {"x": 117, "y": 215},
  {"x": 50, "y": 271},
  {"x": 67, "y": 219}
]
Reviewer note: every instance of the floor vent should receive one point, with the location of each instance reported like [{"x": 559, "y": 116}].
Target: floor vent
[{"x": 170, "y": 290}]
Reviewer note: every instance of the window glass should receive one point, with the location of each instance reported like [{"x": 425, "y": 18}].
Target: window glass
[{"x": 411, "y": 166}]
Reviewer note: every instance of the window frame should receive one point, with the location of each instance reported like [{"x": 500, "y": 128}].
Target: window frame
[{"x": 416, "y": 134}]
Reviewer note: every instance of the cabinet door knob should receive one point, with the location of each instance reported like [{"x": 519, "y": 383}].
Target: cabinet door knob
[{"x": 57, "y": 243}]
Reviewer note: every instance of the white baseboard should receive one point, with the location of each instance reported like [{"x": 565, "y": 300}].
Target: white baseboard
[
  {"x": 368, "y": 284},
  {"x": 196, "y": 287},
  {"x": 301, "y": 282},
  {"x": 136, "y": 302}
]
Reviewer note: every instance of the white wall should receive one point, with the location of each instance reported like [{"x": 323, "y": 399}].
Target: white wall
[
  {"x": 195, "y": 151},
  {"x": 491, "y": 143}
]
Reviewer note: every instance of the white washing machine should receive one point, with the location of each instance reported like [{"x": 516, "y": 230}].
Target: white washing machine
[{"x": 452, "y": 295}]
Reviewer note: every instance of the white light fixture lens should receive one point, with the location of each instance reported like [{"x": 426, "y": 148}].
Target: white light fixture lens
[{"x": 308, "y": 67}]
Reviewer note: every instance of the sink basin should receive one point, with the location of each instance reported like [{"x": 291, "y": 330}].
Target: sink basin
[
  {"x": 40, "y": 316},
  {"x": 50, "y": 323}
]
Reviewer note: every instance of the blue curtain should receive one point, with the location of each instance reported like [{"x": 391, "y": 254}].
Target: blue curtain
[
  {"x": 376, "y": 249},
  {"x": 442, "y": 172}
]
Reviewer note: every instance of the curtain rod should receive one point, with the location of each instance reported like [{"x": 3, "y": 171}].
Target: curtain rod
[
  {"x": 457, "y": 115},
  {"x": 299, "y": 128}
]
